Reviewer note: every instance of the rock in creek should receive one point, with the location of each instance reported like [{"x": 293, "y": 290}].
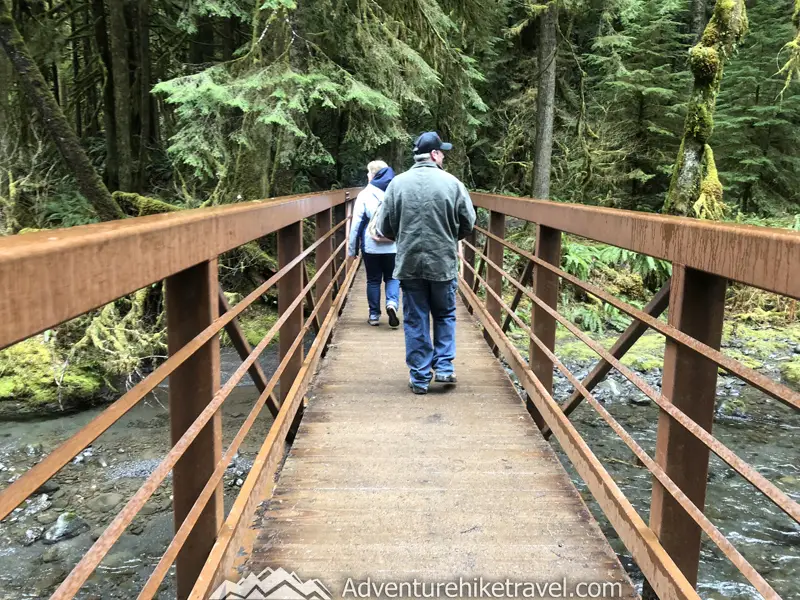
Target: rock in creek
[{"x": 68, "y": 525}]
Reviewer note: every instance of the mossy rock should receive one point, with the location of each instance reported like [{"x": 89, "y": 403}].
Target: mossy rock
[
  {"x": 646, "y": 354},
  {"x": 28, "y": 374},
  {"x": 255, "y": 321},
  {"x": 790, "y": 371}
]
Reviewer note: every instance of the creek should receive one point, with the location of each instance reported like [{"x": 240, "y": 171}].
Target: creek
[{"x": 96, "y": 485}]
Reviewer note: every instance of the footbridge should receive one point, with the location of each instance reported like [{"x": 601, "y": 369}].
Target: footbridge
[{"x": 357, "y": 480}]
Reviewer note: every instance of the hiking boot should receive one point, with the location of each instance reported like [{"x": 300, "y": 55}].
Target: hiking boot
[
  {"x": 449, "y": 378},
  {"x": 374, "y": 320},
  {"x": 394, "y": 322},
  {"x": 417, "y": 389}
]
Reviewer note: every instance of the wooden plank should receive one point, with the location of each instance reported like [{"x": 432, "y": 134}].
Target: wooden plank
[{"x": 384, "y": 483}]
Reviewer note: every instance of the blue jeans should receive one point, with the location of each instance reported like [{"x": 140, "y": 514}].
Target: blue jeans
[
  {"x": 379, "y": 269},
  {"x": 423, "y": 299}
]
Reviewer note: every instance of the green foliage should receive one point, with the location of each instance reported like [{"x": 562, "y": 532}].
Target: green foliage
[
  {"x": 757, "y": 129},
  {"x": 35, "y": 376}
]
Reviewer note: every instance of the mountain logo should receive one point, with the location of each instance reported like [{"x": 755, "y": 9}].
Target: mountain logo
[{"x": 272, "y": 584}]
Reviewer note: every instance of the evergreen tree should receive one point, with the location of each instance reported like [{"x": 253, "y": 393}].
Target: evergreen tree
[{"x": 757, "y": 127}]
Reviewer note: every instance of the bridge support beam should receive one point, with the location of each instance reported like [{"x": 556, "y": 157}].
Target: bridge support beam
[
  {"x": 323, "y": 253},
  {"x": 697, "y": 307},
  {"x": 339, "y": 215},
  {"x": 192, "y": 301},
  {"x": 545, "y": 287},
  {"x": 469, "y": 258},
  {"x": 494, "y": 279},
  {"x": 290, "y": 245}
]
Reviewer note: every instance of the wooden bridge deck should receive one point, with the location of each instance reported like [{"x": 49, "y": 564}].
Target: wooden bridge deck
[{"x": 458, "y": 483}]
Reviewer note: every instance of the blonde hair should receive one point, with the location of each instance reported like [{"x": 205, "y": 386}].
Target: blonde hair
[{"x": 375, "y": 166}]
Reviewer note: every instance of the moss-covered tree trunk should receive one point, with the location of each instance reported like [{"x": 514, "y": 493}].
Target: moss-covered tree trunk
[
  {"x": 695, "y": 189},
  {"x": 791, "y": 68},
  {"x": 53, "y": 119},
  {"x": 118, "y": 36},
  {"x": 545, "y": 101}
]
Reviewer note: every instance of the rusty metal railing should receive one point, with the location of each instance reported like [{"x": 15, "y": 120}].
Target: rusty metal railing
[
  {"x": 80, "y": 267},
  {"x": 704, "y": 257}
]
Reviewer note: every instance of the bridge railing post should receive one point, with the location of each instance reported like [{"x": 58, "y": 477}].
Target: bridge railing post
[
  {"x": 323, "y": 253},
  {"x": 192, "y": 301},
  {"x": 494, "y": 279},
  {"x": 545, "y": 287},
  {"x": 340, "y": 213},
  {"x": 290, "y": 245},
  {"x": 469, "y": 258},
  {"x": 697, "y": 308}
]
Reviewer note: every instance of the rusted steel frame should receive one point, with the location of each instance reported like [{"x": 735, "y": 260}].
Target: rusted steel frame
[
  {"x": 243, "y": 348},
  {"x": 322, "y": 226},
  {"x": 763, "y": 257},
  {"x": 192, "y": 304},
  {"x": 625, "y": 342},
  {"x": 525, "y": 279},
  {"x": 689, "y": 382},
  {"x": 481, "y": 264},
  {"x": 469, "y": 257},
  {"x": 545, "y": 288},
  {"x": 162, "y": 568},
  {"x": 236, "y": 533},
  {"x": 16, "y": 493},
  {"x": 78, "y": 576},
  {"x": 696, "y": 514},
  {"x": 765, "y": 384},
  {"x": 781, "y": 500},
  {"x": 311, "y": 302},
  {"x": 494, "y": 251},
  {"x": 650, "y": 556},
  {"x": 80, "y": 266}
]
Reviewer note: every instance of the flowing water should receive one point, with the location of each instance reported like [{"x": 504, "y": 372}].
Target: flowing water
[{"x": 95, "y": 486}]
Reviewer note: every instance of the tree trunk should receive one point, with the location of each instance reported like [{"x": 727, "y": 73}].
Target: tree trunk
[
  {"x": 118, "y": 35},
  {"x": 109, "y": 122},
  {"x": 144, "y": 89},
  {"x": 545, "y": 101},
  {"x": 91, "y": 92},
  {"x": 699, "y": 12},
  {"x": 53, "y": 120},
  {"x": 694, "y": 177},
  {"x": 76, "y": 73}
]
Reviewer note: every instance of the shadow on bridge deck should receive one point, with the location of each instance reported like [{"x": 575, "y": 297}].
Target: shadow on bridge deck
[{"x": 458, "y": 483}]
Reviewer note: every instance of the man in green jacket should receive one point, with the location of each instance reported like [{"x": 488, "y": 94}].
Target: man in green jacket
[{"x": 427, "y": 211}]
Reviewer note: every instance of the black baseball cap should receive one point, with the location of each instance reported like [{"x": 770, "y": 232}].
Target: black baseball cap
[{"x": 430, "y": 141}]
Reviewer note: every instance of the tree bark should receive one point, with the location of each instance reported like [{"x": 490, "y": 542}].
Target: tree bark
[
  {"x": 91, "y": 92},
  {"x": 109, "y": 121},
  {"x": 699, "y": 15},
  {"x": 76, "y": 73},
  {"x": 694, "y": 177},
  {"x": 118, "y": 35},
  {"x": 144, "y": 90},
  {"x": 545, "y": 101},
  {"x": 55, "y": 123}
]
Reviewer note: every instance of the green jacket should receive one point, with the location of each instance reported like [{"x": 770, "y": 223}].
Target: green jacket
[{"x": 426, "y": 210}]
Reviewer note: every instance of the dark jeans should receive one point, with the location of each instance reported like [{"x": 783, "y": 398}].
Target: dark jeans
[
  {"x": 380, "y": 268},
  {"x": 422, "y": 300}
]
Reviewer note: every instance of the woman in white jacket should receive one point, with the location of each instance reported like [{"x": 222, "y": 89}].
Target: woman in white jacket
[{"x": 378, "y": 256}]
